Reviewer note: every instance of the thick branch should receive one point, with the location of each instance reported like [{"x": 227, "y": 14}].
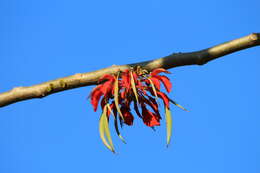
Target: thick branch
[{"x": 174, "y": 60}]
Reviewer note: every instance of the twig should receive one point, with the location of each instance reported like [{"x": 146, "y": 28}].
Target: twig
[{"x": 174, "y": 60}]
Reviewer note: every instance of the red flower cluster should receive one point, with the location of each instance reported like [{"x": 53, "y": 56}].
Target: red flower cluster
[{"x": 138, "y": 87}]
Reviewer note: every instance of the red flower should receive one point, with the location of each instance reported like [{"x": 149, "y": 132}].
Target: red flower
[{"x": 119, "y": 91}]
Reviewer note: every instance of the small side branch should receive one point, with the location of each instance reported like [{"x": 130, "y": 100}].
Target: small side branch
[{"x": 174, "y": 60}]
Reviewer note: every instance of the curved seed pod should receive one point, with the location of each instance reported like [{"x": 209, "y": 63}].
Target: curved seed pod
[
  {"x": 117, "y": 130},
  {"x": 116, "y": 90},
  {"x": 104, "y": 131},
  {"x": 116, "y": 125},
  {"x": 180, "y": 106},
  {"x": 133, "y": 86},
  {"x": 168, "y": 119},
  {"x": 136, "y": 109}
]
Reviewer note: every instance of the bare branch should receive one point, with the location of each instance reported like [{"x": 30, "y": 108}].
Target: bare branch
[{"x": 174, "y": 60}]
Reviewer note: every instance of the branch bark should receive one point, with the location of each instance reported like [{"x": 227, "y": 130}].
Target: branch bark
[{"x": 174, "y": 60}]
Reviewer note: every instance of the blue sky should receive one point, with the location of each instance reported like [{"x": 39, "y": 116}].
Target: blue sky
[{"x": 44, "y": 40}]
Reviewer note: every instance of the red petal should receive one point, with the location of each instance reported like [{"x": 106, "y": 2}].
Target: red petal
[
  {"x": 166, "y": 82},
  {"x": 150, "y": 119},
  {"x": 95, "y": 97},
  {"x": 140, "y": 86},
  {"x": 165, "y": 98},
  {"x": 154, "y": 121},
  {"x": 125, "y": 79},
  {"x": 153, "y": 105},
  {"x": 123, "y": 94},
  {"x": 107, "y": 88},
  {"x": 156, "y": 82},
  {"x": 107, "y": 77},
  {"x": 126, "y": 71},
  {"x": 128, "y": 117},
  {"x": 153, "y": 101},
  {"x": 159, "y": 70}
]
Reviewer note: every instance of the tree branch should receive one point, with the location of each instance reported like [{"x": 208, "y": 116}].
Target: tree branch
[{"x": 174, "y": 60}]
